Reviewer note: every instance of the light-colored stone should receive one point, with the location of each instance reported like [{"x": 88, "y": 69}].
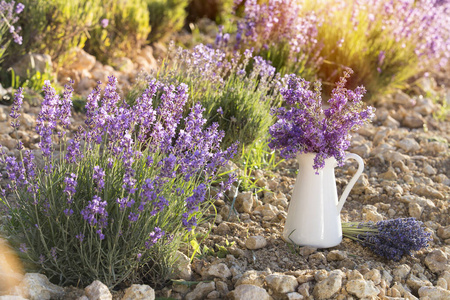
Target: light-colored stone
[
  {"x": 98, "y": 291},
  {"x": 294, "y": 296},
  {"x": 248, "y": 292},
  {"x": 201, "y": 291},
  {"x": 415, "y": 283},
  {"x": 282, "y": 283},
  {"x": 256, "y": 242},
  {"x": 415, "y": 210},
  {"x": 244, "y": 202},
  {"x": 434, "y": 293},
  {"x": 36, "y": 286},
  {"x": 12, "y": 297},
  {"x": 267, "y": 211},
  {"x": 326, "y": 288},
  {"x": 408, "y": 145},
  {"x": 446, "y": 277},
  {"x": 390, "y": 122},
  {"x": 374, "y": 275},
  {"x": 437, "y": 261},
  {"x": 427, "y": 191},
  {"x": 182, "y": 267},
  {"x": 429, "y": 170},
  {"x": 442, "y": 283},
  {"x": 444, "y": 232},
  {"x": 371, "y": 214},
  {"x": 413, "y": 120},
  {"x": 31, "y": 63},
  {"x": 80, "y": 60},
  {"x": 306, "y": 251},
  {"x": 219, "y": 270},
  {"x": 336, "y": 255},
  {"x": 401, "y": 272},
  {"x": 123, "y": 64},
  {"x": 362, "y": 288},
  {"x": 251, "y": 277},
  {"x": 139, "y": 292}
]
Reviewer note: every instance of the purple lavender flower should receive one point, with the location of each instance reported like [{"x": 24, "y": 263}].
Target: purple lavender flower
[
  {"x": 54, "y": 253},
  {"x": 154, "y": 237},
  {"x": 95, "y": 213},
  {"x": 391, "y": 238},
  {"x": 23, "y": 248},
  {"x": 305, "y": 127},
  {"x": 98, "y": 178},
  {"x": 17, "y": 105},
  {"x": 104, "y": 23},
  {"x": 19, "y": 8},
  {"x": 80, "y": 237},
  {"x": 70, "y": 189}
]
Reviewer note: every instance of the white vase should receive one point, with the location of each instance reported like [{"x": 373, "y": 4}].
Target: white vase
[{"x": 314, "y": 210}]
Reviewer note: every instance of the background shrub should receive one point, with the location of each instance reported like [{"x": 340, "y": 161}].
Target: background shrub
[
  {"x": 166, "y": 17},
  {"x": 234, "y": 94},
  {"x": 216, "y": 10},
  {"x": 384, "y": 42},
  {"x": 54, "y": 26},
  {"x": 127, "y": 30}
]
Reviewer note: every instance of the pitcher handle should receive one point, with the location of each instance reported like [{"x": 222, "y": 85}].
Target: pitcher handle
[{"x": 352, "y": 182}]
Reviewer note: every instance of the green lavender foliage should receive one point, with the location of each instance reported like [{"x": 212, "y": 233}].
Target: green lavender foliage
[
  {"x": 127, "y": 30},
  {"x": 166, "y": 17}
]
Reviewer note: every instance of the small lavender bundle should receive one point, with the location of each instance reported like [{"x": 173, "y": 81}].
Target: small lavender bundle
[{"x": 391, "y": 238}]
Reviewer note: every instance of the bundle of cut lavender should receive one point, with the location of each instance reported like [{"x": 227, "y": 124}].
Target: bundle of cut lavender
[{"x": 391, "y": 238}]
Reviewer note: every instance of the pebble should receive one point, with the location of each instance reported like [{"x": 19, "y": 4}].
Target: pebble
[
  {"x": 282, "y": 283},
  {"x": 429, "y": 170},
  {"x": 256, "y": 242},
  {"x": 139, "y": 292},
  {"x": 294, "y": 296},
  {"x": 306, "y": 251},
  {"x": 251, "y": 277},
  {"x": 415, "y": 210},
  {"x": 415, "y": 283},
  {"x": 244, "y": 202},
  {"x": 36, "y": 286},
  {"x": 362, "y": 288},
  {"x": 413, "y": 120},
  {"x": 219, "y": 270},
  {"x": 401, "y": 272},
  {"x": 427, "y": 191},
  {"x": 374, "y": 275},
  {"x": 336, "y": 255},
  {"x": 201, "y": 291},
  {"x": 326, "y": 288},
  {"x": 437, "y": 261},
  {"x": 408, "y": 145},
  {"x": 433, "y": 293},
  {"x": 248, "y": 292},
  {"x": 182, "y": 267},
  {"x": 98, "y": 291}
]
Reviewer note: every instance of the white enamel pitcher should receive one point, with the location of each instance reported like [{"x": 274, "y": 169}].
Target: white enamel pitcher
[{"x": 314, "y": 211}]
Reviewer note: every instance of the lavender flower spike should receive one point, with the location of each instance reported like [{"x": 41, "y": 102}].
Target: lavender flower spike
[{"x": 17, "y": 105}]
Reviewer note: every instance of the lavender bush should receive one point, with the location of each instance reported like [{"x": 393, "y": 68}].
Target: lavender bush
[
  {"x": 9, "y": 15},
  {"x": 237, "y": 98},
  {"x": 305, "y": 126},
  {"x": 385, "y": 42},
  {"x": 120, "y": 195},
  {"x": 391, "y": 239}
]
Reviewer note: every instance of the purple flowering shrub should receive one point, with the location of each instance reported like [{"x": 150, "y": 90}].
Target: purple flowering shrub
[
  {"x": 118, "y": 195},
  {"x": 384, "y": 42},
  {"x": 9, "y": 15},
  {"x": 305, "y": 126},
  {"x": 237, "y": 91},
  {"x": 391, "y": 238}
]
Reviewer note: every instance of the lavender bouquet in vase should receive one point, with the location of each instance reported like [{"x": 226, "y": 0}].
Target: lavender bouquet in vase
[{"x": 318, "y": 138}]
